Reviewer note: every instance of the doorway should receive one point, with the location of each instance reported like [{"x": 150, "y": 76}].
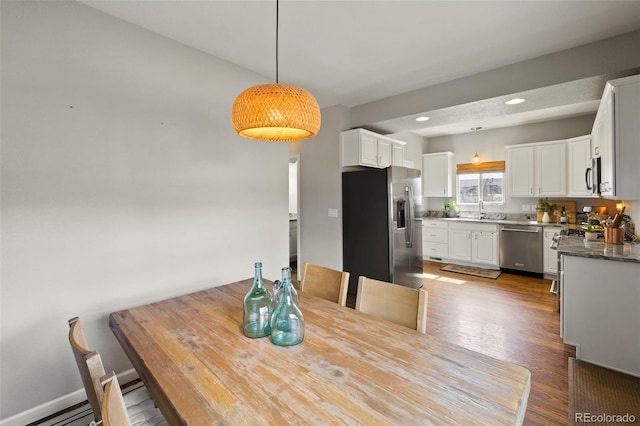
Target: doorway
[{"x": 294, "y": 219}]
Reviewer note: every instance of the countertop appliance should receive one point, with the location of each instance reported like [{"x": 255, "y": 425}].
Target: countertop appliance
[
  {"x": 521, "y": 248},
  {"x": 382, "y": 226}
]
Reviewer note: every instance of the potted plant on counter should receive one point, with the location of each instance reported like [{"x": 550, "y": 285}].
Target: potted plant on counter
[
  {"x": 450, "y": 208},
  {"x": 590, "y": 233},
  {"x": 545, "y": 209}
]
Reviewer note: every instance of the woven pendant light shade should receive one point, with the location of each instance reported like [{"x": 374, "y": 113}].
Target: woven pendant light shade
[{"x": 276, "y": 112}]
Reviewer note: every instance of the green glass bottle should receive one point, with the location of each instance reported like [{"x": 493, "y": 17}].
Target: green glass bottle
[
  {"x": 287, "y": 321},
  {"x": 257, "y": 307}
]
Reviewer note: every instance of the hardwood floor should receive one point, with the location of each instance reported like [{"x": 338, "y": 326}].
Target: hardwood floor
[{"x": 512, "y": 318}]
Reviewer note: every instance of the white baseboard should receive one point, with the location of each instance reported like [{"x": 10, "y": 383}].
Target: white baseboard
[{"x": 56, "y": 405}]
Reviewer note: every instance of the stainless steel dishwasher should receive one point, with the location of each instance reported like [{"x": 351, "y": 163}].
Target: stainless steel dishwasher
[{"x": 521, "y": 248}]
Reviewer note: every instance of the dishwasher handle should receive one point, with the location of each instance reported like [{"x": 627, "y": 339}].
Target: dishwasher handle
[{"x": 532, "y": 231}]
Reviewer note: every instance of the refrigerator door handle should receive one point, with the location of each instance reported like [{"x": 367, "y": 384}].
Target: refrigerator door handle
[{"x": 409, "y": 229}]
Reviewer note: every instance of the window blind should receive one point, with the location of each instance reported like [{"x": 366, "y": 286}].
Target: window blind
[{"x": 486, "y": 167}]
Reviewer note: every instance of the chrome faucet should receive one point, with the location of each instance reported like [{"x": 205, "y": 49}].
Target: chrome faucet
[{"x": 480, "y": 209}]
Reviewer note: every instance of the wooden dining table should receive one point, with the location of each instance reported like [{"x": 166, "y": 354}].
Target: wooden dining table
[{"x": 351, "y": 368}]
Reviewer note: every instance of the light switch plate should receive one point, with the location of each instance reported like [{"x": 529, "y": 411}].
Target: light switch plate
[{"x": 333, "y": 213}]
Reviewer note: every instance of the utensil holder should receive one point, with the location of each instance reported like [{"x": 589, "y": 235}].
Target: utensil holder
[{"x": 613, "y": 235}]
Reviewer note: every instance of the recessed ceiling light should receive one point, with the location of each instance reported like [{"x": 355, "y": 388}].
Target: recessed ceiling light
[
  {"x": 515, "y": 101},
  {"x": 422, "y": 118}
]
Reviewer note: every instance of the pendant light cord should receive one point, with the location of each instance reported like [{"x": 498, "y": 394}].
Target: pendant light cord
[{"x": 277, "y": 17}]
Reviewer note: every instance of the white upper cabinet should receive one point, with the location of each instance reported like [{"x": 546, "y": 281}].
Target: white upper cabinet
[
  {"x": 437, "y": 174},
  {"x": 579, "y": 159},
  {"x": 520, "y": 171},
  {"x": 551, "y": 169},
  {"x": 368, "y": 150},
  {"x": 538, "y": 169},
  {"x": 397, "y": 155},
  {"x": 603, "y": 143},
  {"x": 616, "y": 138},
  {"x": 364, "y": 148}
]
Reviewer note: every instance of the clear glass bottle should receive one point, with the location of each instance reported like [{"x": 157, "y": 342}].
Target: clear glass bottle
[
  {"x": 257, "y": 307},
  {"x": 277, "y": 288},
  {"x": 287, "y": 321}
]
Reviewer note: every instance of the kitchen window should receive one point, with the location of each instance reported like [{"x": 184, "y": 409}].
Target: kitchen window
[{"x": 481, "y": 182}]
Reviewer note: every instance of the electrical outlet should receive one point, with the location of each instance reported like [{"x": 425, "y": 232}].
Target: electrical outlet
[
  {"x": 333, "y": 212},
  {"x": 525, "y": 207}
]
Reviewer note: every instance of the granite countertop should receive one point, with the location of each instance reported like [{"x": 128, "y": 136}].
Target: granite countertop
[
  {"x": 505, "y": 221},
  {"x": 578, "y": 246}
]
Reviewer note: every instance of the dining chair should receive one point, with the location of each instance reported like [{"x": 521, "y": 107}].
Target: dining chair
[
  {"x": 113, "y": 410},
  {"x": 116, "y": 413},
  {"x": 325, "y": 283},
  {"x": 402, "y": 305},
  {"x": 91, "y": 371}
]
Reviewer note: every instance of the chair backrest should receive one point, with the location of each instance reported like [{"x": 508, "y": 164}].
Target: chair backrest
[
  {"x": 326, "y": 283},
  {"x": 90, "y": 367},
  {"x": 114, "y": 412},
  {"x": 401, "y": 305}
]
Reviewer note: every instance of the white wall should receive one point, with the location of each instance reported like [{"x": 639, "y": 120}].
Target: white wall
[
  {"x": 122, "y": 183},
  {"x": 321, "y": 190}
]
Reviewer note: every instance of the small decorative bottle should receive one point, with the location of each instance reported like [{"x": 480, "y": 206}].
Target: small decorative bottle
[
  {"x": 257, "y": 307},
  {"x": 287, "y": 321}
]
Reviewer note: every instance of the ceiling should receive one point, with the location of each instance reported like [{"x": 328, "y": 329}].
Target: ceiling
[{"x": 354, "y": 52}]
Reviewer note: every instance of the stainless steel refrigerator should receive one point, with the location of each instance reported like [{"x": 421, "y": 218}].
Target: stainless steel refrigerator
[{"x": 381, "y": 226}]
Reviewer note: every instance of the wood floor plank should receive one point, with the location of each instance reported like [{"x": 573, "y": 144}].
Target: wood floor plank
[{"x": 512, "y": 318}]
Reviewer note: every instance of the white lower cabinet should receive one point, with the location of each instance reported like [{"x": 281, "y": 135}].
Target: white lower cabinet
[
  {"x": 474, "y": 242},
  {"x": 549, "y": 256},
  {"x": 435, "y": 239},
  {"x": 484, "y": 247},
  {"x": 599, "y": 313},
  {"x": 460, "y": 247}
]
